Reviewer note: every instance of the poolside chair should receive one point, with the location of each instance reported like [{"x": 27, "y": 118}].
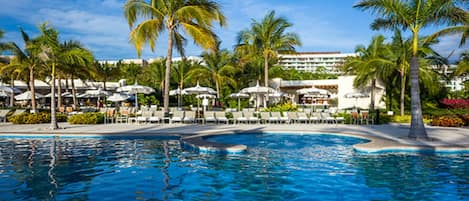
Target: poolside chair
[
  {"x": 365, "y": 117},
  {"x": 210, "y": 117},
  {"x": 302, "y": 117},
  {"x": 221, "y": 117},
  {"x": 189, "y": 117},
  {"x": 251, "y": 117},
  {"x": 340, "y": 119},
  {"x": 123, "y": 116},
  {"x": 146, "y": 114},
  {"x": 156, "y": 116},
  {"x": 109, "y": 116},
  {"x": 239, "y": 117},
  {"x": 315, "y": 117},
  {"x": 265, "y": 117},
  {"x": 293, "y": 117},
  {"x": 275, "y": 117},
  {"x": 327, "y": 118},
  {"x": 3, "y": 115},
  {"x": 284, "y": 118},
  {"x": 354, "y": 117},
  {"x": 178, "y": 116}
]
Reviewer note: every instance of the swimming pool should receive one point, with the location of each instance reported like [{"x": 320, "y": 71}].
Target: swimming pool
[{"x": 275, "y": 167}]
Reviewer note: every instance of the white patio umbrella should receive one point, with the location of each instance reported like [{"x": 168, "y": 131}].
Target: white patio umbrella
[
  {"x": 356, "y": 95},
  {"x": 97, "y": 93},
  {"x": 8, "y": 89},
  {"x": 198, "y": 90},
  {"x": 27, "y": 96},
  {"x": 239, "y": 96},
  {"x": 256, "y": 90},
  {"x": 3, "y": 94},
  {"x": 118, "y": 97},
  {"x": 177, "y": 92},
  {"x": 205, "y": 96},
  {"x": 136, "y": 89}
]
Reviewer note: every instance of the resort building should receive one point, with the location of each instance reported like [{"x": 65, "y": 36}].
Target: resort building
[
  {"x": 311, "y": 61},
  {"x": 340, "y": 90},
  {"x": 125, "y": 61}
]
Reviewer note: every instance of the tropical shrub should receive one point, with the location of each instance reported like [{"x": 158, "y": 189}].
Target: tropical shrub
[
  {"x": 87, "y": 118},
  {"x": 455, "y": 103},
  {"x": 448, "y": 121},
  {"x": 35, "y": 118},
  {"x": 285, "y": 107},
  {"x": 407, "y": 118}
]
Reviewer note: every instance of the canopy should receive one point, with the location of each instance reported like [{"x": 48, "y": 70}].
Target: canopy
[
  {"x": 198, "y": 90},
  {"x": 239, "y": 96},
  {"x": 257, "y": 89},
  {"x": 117, "y": 97},
  {"x": 8, "y": 89},
  {"x": 27, "y": 96},
  {"x": 204, "y": 96},
  {"x": 136, "y": 89}
]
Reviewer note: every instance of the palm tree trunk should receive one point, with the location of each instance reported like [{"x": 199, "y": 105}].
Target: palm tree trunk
[
  {"x": 12, "y": 94},
  {"x": 266, "y": 76},
  {"x": 417, "y": 128},
  {"x": 104, "y": 85},
  {"x": 33, "y": 91},
  {"x": 59, "y": 92},
  {"x": 53, "y": 119},
  {"x": 372, "y": 102},
  {"x": 402, "y": 91},
  {"x": 74, "y": 94},
  {"x": 168, "y": 70}
]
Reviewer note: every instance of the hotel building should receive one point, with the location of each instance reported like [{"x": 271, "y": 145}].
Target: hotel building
[{"x": 310, "y": 61}]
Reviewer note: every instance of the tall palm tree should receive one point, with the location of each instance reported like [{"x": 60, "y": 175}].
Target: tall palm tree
[
  {"x": 105, "y": 72},
  {"x": 219, "y": 66},
  {"x": 371, "y": 64},
  {"x": 414, "y": 15},
  {"x": 267, "y": 38},
  {"x": 28, "y": 57},
  {"x": 193, "y": 17},
  {"x": 14, "y": 70}
]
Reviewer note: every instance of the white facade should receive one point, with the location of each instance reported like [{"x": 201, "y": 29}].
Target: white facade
[
  {"x": 310, "y": 61},
  {"x": 125, "y": 61}
]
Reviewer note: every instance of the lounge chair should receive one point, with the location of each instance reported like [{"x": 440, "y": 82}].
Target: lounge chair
[
  {"x": 239, "y": 117},
  {"x": 315, "y": 117},
  {"x": 221, "y": 117},
  {"x": 189, "y": 117},
  {"x": 210, "y": 117},
  {"x": 251, "y": 117},
  {"x": 340, "y": 119},
  {"x": 293, "y": 117},
  {"x": 284, "y": 118},
  {"x": 327, "y": 118},
  {"x": 275, "y": 117},
  {"x": 123, "y": 116},
  {"x": 265, "y": 117},
  {"x": 302, "y": 117},
  {"x": 178, "y": 116},
  {"x": 156, "y": 116},
  {"x": 110, "y": 115},
  {"x": 146, "y": 114},
  {"x": 3, "y": 115}
]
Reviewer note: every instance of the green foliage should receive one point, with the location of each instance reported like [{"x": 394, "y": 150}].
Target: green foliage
[
  {"x": 147, "y": 100},
  {"x": 87, "y": 118},
  {"x": 35, "y": 118},
  {"x": 448, "y": 121},
  {"x": 285, "y": 107}
]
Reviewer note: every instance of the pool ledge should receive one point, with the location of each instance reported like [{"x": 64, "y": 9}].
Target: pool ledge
[{"x": 200, "y": 144}]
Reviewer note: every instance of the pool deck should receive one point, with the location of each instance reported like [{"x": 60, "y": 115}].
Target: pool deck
[{"x": 383, "y": 138}]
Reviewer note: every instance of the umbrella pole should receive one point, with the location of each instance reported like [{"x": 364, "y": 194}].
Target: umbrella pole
[
  {"x": 136, "y": 100},
  {"x": 239, "y": 105}
]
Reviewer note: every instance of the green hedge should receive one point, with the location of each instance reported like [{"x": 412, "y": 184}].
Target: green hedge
[
  {"x": 87, "y": 118},
  {"x": 35, "y": 118}
]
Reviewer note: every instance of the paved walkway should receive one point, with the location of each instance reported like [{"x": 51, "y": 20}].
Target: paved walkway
[{"x": 390, "y": 137}]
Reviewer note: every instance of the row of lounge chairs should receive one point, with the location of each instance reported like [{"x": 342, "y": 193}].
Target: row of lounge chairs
[{"x": 157, "y": 116}]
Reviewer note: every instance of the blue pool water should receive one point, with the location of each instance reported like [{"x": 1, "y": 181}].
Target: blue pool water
[{"x": 276, "y": 167}]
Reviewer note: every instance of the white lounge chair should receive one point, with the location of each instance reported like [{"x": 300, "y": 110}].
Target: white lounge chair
[
  {"x": 210, "y": 117},
  {"x": 189, "y": 117},
  {"x": 178, "y": 116},
  {"x": 221, "y": 117},
  {"x": 238, "y": 117}
]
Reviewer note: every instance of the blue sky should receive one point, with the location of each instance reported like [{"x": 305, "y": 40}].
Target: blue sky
[{"x": 331, "y": 25}]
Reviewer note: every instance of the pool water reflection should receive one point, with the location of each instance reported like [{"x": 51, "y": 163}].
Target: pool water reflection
[{"x": 276, "y": 167}]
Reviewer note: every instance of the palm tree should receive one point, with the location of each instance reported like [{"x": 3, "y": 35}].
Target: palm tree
[
  {"x": 14, "y": 70},
  {"x": 154, "y": 74},
  {"x": 268, "y": 38},
  {"x": 371, "y": 64},
  {"x": 414, "y": 15},
  {"x": 219, "y": 66},
  {"x": 181, "y": 71},
  {"x": 193, "y": 17},
  {"x": 106, "y": 72},
  {"x": 28, "y": 57},
  {"x": 463, "y": 64}
]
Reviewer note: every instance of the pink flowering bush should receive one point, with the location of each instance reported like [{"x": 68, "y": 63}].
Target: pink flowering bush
[{"x": 456, "y": 103}]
